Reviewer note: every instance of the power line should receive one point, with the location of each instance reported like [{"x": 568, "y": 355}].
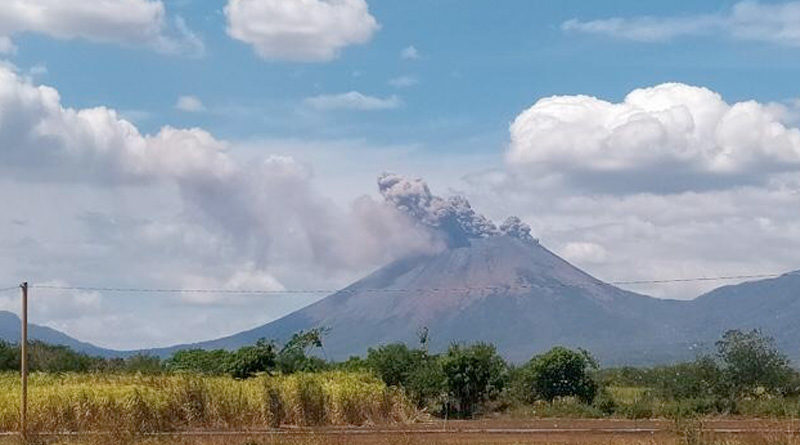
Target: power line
[
  {"x": 683, "y": 280},
  {"x": 10, "y": 288},
  {"x": 376, "y": 290}
]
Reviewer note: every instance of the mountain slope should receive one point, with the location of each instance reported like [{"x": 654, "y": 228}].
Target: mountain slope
[
  {"x": 10, "y": 331},
  {"x": 772, "y": 305},
  {"x": 502, "y": 289}
]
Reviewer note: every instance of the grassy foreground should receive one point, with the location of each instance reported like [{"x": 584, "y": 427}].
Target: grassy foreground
[{"x": 141, "y": 404}]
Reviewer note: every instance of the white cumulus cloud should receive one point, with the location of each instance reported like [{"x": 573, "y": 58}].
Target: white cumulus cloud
[
  {"x": 300, "y": 30},
  {"x": 126, "y": 22},
  {"x": 664, "y": 138}
]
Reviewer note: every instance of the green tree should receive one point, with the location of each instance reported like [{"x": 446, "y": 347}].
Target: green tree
[
  {"x": 293, "y": 356},
  {"x": 472, "y": 375},
  {"x": 394, "y": 363},
  {"x": 250, "y": 360},
  {"x": 560, "y": 372},
  {"x": 751, "y": 361}
]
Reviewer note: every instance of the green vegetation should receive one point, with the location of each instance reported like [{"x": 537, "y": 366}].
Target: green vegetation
[
  {"x": 248, "y": 361},
  {"x": 271, "y": 384},
  {"x": 558, "y": 373}
]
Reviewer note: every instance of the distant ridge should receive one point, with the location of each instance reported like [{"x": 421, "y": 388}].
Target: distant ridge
[{"x": 10, "y": 328}]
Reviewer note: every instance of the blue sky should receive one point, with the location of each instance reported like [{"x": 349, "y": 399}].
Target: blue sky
[
  {"x": 192, "y": 146},
  {"x": 479, "y": 65}
]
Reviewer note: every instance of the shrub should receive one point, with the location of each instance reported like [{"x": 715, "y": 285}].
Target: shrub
[
  {"x": 560, "y": 372},
  {"x": 249, "y": 360},
  {"x": 604, "y": 402},
  {"x": 427, "y": 384},
  {"x": 394, "y": 363},
  {"x": 751, "y": 361},
  {"x": 472, "y": 374}
]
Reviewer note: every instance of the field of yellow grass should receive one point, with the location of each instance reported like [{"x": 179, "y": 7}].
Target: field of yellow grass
[{"x": 142, "y": 404}]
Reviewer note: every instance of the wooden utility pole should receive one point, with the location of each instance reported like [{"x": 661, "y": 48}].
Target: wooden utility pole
[{"x": 23, "y": 361}]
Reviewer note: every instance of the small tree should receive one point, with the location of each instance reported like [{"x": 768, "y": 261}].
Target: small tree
[
  {"x": 394, "y": 363},
  {"x": 751, "y": 360},
  {"x": 560, "y": 372},
  {"x": 249, "y": 360},
  {"x": 293, "y": 355},
  {"x": 472, "y": 375}
]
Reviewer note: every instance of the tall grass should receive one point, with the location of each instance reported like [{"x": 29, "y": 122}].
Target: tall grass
[{"x": 141, "y": 404}]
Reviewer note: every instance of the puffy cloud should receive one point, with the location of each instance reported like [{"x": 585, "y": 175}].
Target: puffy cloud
[
  {"x": 36, "y": 130},
  {"x": 666, "y": 138},
  {"x": 301, "y": 30},
  {"x": 747, "y": 20},
  {"x": 126, "y": 22},
  {"x": 352, "y": 100},
  {"x": 190, "y": 104}
]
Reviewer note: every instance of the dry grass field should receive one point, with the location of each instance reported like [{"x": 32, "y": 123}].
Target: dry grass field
[
  {"x": 323, "y": 408},
  {"x": 138, "y": 404}
]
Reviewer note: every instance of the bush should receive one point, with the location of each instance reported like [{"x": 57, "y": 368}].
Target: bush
[
  {"x": 427, "y": 385},
  {"x": 604, "y": 402},
  {"x": 394, "y": 363},
  {"x": 249, "y": 360},
  {"x": 560, "y": 372},
  {"x": 472, "y": 375},
  {"x": 752, "y": 362},
  {"x": 200, "y": 361},
  {"x": 698, "y": 379}
]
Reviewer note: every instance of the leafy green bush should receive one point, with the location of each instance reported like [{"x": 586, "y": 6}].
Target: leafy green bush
[
  {"x": 560, "y": 372},
  {"x": 250, "y": 360},
  {"x": 394, "y": 363},
  {"x": 752, "y": 363},
  {"x": 472, "y": 375}
]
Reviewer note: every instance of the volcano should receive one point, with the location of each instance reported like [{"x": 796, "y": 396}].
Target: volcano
[
  {"x": 499, "y": 284},
  {"x": 492, "y": 284}
]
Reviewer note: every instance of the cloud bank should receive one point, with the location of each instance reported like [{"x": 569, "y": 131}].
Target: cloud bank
[
  {"x": 747, "y": 20},
  {"x": 126, "y": 22},
  {"x": 300, "y": 30}
]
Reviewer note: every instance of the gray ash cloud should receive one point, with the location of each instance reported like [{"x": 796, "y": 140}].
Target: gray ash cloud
[{"x": 453, "y": 217}]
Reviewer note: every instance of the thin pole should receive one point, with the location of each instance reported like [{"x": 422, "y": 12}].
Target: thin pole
[{"x": 23, "y": 344}]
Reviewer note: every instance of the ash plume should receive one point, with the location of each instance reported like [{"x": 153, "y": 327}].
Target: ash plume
[{"x": 453, "y": 217}]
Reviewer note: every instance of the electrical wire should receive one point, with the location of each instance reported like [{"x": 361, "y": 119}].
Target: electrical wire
[
  {"x": 8, "y": 289},
  {"x": 357, "y": 289}
]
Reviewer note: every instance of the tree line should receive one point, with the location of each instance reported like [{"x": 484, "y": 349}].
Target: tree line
[{"x": 469, "y": 378}]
